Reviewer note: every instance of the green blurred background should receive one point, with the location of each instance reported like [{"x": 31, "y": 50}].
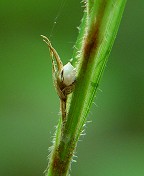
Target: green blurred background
[{"x": 29, "y": 106}]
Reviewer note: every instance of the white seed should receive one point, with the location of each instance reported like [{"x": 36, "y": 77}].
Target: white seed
[{"x": 69, "y": 74}]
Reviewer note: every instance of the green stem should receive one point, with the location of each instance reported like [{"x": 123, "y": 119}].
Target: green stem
[{"x": 103, "y": 18}]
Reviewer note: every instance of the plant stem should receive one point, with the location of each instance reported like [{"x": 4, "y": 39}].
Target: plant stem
[{"x": 99, "y": 31}]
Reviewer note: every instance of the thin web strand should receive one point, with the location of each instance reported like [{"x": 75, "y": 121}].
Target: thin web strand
[{"x": 59, "y": 11}]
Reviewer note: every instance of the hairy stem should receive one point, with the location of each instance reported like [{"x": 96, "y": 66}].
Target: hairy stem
[{"x": 99, "y": 29}]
